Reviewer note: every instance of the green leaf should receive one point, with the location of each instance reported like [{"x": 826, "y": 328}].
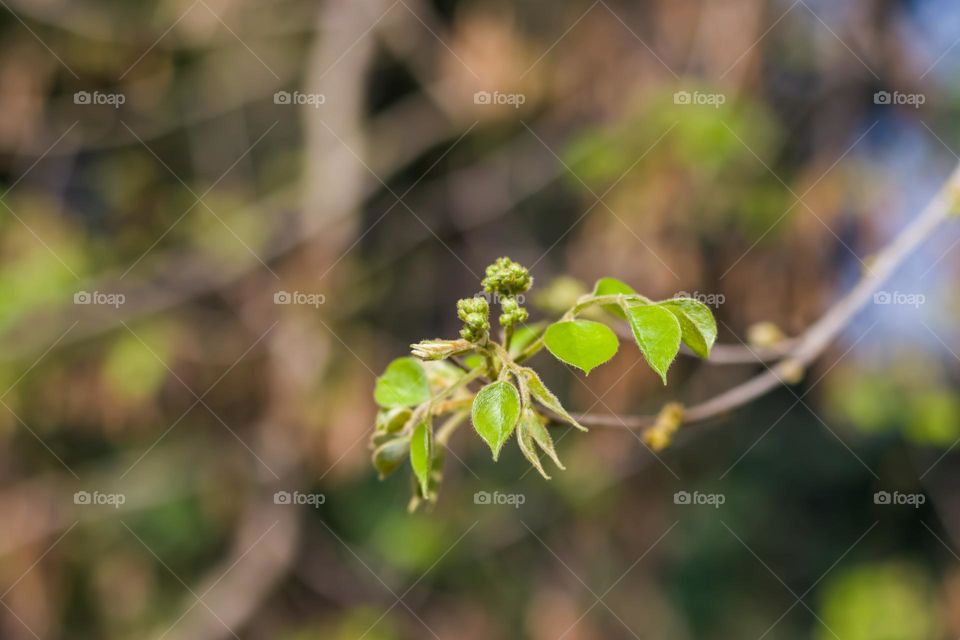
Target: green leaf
[
  {"x": 657, "y": 332},
  {"x": 473, "y": 361},
  {"x": 545, "y": 397},
  {"x": 699, "y": 328},
  {"x": 496, "y": 410},
  {"x": 378, "y": 438},
  {"x": 612, "y": 287},
  {"x": 532, "y": 434},
  {"x": 421, "y": 452},
  {"x": 523, "y": 336},
  {"x": 441, "y": 374},
  {"x": 403, "y": 384},
  {"x": 393, "y": 420},
  {"x": 527, "y": 443},
  {"x": 582, "y": 343},
  {"x": 390, "y": 455}
]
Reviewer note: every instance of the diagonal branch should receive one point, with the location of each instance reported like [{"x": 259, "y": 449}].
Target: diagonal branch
[{"x": 808, "y": 346}]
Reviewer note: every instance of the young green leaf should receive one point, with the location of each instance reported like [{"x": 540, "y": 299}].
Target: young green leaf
[
  {"x": 496, "y": 410},
  {"x": 538, "y": 431},
  {"x": 527, "y": 443},
  {"x": 545, "y": 397},
  {"x": 582, "y": 343},
  {"x": 473, "y": 361},
  {"x": 523, "y": 336},
  {"x": 657, "y": 332},
  {"x": 393, "y": 420},
  {"x": 441, "y": 374},
  {"x": 421, "y": 452},
  {"x": 611, "y": 287},
  {"x": 378, "y": 438},
  {"x": 403, "y": 384},
  {"x": 390, "y": 455},
  {"x": 696, "y": 322}
]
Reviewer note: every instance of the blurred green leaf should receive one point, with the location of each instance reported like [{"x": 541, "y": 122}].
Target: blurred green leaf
[
  {"x": 390, "y": 455},
  {"x": 409, "y": 542},
  {"x": 134, "y": 369},
  {"x": 889, "y": 601},
  {"x": 934, "y": 418},
  {"x": 393, "y": 420},
  {"x": 403, "y": 384},
  {"x": 421, "y": 453},
  {"x": 227, "y": 226},
  {"x": 33, "y": 274}
]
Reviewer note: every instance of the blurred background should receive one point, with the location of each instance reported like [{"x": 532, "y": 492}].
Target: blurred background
[{"x": 221, "y": 219}]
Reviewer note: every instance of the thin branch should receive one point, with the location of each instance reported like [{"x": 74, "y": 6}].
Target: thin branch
[
  {"x": 812, "y": 342},
  {"x": 726, "y": 354}
]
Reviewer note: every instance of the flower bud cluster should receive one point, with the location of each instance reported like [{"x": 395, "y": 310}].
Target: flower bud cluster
[
  {"x": 475, "y": 314},
  {"x": 507, "y": 279}
]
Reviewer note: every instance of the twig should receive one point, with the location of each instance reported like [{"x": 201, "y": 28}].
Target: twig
[
  {"x": 811, "y": 343},
  {"x": 726, "y": 354}
]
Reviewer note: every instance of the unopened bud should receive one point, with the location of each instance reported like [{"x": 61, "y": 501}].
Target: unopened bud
[
  {"x": 440, "y": 349},
  {"x": 512, "y": 313},
  {"x": 659, "y": 436},
  {"x": 791, "y": 371},
  {"x": 507, "y": 278},
  {"x": 764, "y": 334},
  {"x": 475, "y": 313}
]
